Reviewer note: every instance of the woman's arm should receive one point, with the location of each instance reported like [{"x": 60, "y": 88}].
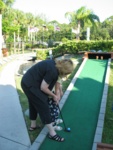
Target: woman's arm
[{"x": 45, "y": 89}]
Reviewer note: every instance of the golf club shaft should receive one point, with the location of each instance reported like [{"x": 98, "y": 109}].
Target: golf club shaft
[{"x": 62, "y": 117}]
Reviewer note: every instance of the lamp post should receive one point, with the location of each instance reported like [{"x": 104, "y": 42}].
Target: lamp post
[
  {"x": 50, "y": 54},
  {"x": 44, "y": 27}
]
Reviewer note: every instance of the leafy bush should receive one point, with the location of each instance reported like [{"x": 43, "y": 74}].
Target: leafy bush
[
  {"x": 42, "y": 54},
  {"x": 28, "y": 45},
  {"x": 78, "y": 46}
]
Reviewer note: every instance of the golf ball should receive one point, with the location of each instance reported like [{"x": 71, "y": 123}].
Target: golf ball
[{"x": 68, "y": 129}]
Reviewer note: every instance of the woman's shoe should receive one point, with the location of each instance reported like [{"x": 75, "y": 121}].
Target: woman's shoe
[{"x": 34, "y": 128}]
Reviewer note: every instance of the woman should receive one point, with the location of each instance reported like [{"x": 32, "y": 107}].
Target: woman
[{"x": 37, "y": 83}]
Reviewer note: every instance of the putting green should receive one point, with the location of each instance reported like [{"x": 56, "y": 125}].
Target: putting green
[{"x": 81, "y": 110}]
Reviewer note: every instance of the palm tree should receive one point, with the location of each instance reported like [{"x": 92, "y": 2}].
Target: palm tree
[
  {"x": 8, "y": 3},
  {"x": 80, "y": 18}
]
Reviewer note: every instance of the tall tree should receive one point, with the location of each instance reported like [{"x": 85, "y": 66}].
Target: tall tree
[
  {"x": 80, "y": 18},
  {"x": 8, "y": 3},
  {"x": 108, "y": 24}
]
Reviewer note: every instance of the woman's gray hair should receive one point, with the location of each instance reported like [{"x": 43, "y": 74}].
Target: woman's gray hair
[{"x": 64, "y": 66}]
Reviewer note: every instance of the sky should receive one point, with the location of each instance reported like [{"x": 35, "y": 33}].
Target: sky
[{"x": 56, "y": 9}]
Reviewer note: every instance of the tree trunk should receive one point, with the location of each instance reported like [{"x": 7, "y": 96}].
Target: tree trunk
[{"x": 78, "y": 31}]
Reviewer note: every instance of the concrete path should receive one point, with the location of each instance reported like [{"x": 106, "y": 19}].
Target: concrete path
[{"x": 13, "y": 131}]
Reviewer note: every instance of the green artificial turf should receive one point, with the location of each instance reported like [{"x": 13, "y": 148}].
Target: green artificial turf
[{"x": 81, "y": 109}]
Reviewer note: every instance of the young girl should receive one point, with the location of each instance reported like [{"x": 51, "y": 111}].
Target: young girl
[{"x": 54, "y": 111}]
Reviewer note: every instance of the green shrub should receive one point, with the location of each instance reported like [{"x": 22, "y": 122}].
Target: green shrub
[
  {"x": 72, "y": 46},
  {"x": 42, "y": 54},
  {"x": 28, "y": 45}
]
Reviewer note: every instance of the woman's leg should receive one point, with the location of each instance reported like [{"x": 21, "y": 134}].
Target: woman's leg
[
  {"x": 32, "y": 111},
  {"x": 32, "y": 115}
]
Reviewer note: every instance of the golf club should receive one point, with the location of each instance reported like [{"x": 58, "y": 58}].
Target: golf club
[{"x": 66, "y": 129}]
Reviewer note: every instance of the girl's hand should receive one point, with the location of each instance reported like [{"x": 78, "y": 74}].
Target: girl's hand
[{"x": 61, "y": 93}]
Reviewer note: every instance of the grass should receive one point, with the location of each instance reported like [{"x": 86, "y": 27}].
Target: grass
[{"x": 108, "y": 122}]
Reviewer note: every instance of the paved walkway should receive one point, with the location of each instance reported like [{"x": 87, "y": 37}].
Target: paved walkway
[{"x": 13, "y": 131}]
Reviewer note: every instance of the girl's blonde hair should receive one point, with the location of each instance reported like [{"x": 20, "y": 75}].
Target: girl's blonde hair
[{"x": 64, "y": 66}]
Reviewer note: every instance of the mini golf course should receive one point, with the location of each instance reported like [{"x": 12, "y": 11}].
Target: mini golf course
[{"x": 81, "y": 109}]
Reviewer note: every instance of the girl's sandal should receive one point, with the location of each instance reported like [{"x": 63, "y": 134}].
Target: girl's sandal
[
  {"x": 56, "y": 138},
  {"x": 58, "y": 121},
  {"x": 57, "y": 128}
]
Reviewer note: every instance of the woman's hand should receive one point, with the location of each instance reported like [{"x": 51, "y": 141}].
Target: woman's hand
[{"x": 56, "y": 99}]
